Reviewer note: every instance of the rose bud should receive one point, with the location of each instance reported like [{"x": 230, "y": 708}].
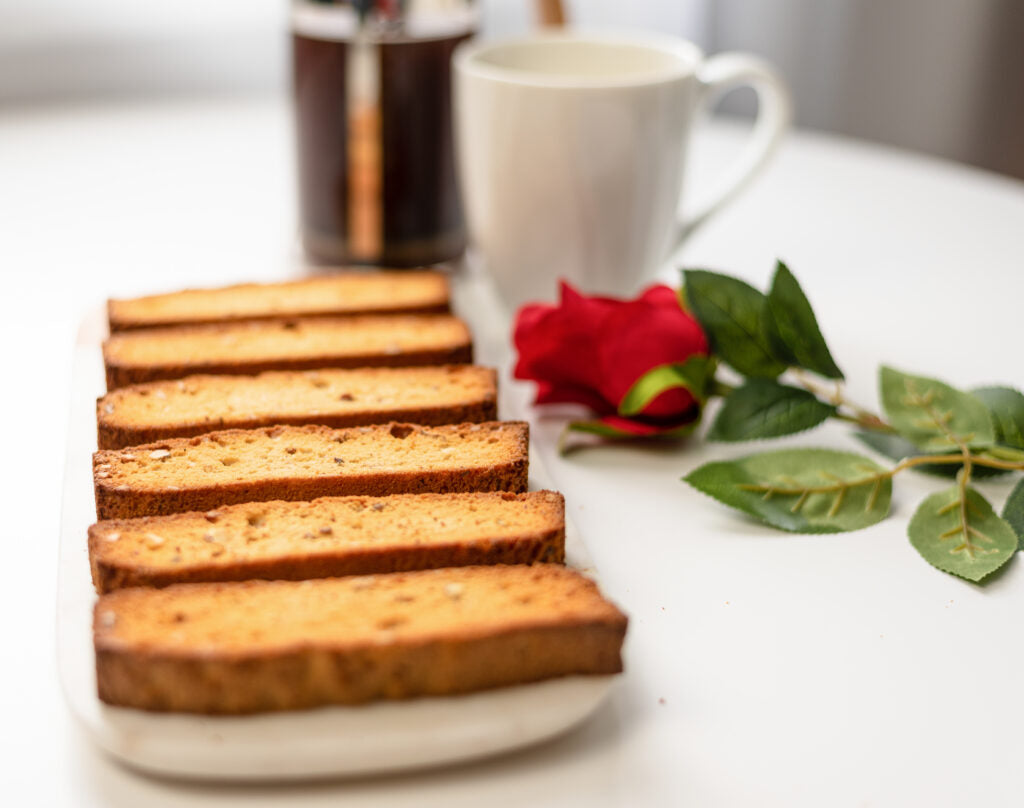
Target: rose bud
[{"x": 591, "y": 351}]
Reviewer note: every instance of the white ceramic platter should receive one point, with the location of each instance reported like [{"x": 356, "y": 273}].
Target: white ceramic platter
[{"x": 326, "y": 742}]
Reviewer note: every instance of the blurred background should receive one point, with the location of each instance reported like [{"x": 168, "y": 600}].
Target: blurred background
[{"x": 944, "y": 77}]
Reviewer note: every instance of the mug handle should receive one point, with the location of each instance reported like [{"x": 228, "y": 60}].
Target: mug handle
[{"x": 716, "y": 76}]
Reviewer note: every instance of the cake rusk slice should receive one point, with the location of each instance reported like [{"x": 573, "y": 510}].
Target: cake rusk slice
[
  {"x": 306, "y": 462},
  {"x": 256, "y": 646},
  {"x": 441, "y": 394},
  {"x": 398, "y": 340},
  {"x": 387, "y": 292},
  {"x": 328, "y": 537}
]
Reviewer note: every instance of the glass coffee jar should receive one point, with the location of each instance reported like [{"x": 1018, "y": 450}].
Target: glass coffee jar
[{"x": 373, "y": 122}]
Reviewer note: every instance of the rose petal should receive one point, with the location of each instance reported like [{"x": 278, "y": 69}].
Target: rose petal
[
  {"x": 571, "y": 297},
  {"x": 590, "y": 351},
  {"x": 643, "y": 335},
  {"x": 559, "y": 344},
  {"x": 549, "y": 393},
  {"x": 661, "y": 295},
  {"x": 529, "y": 317}
]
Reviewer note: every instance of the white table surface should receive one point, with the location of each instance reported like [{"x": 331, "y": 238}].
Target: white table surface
[{"x": 762, "y": 668}]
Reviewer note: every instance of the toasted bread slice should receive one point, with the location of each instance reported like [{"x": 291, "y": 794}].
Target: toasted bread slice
[
  {"x": 328, "y": 537},
  {"x": 444, "y": 394},
  {"x": 153, "y": 354},
  {"x": 281, "y": 645},
  {"x": 346, "y": 293},
  {"x": 305, "y": 462}
]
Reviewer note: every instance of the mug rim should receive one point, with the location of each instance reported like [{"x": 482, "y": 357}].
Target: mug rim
[{"x": 467, "y": 59}]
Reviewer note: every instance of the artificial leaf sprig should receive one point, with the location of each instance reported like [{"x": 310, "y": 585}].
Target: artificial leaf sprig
[{"x": 927, "y": 425}]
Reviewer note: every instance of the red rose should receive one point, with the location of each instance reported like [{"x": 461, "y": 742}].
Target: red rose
[{"x": 591, "y": 350}]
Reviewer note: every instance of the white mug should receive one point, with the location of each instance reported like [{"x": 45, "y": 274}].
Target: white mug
[{"x": 572, "y": 147}]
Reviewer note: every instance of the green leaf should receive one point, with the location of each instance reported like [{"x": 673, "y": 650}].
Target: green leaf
[
  {"x": 795, "y": 324},
  {"x": 694, "y": 374},
  {"x": 608, "y": 431},
  {"x": 776, "y": 344},
  {"x": 1007, "y": 408},
  {"x": 896, "y": 448},
  {"x": 1013, "y": 512},
  {"x": 964, "y": 537},
  {"x": 801, "y": 490},
  {"x": 732, "y": 313},
  {"x": 605, "y": 430},
  {"x": 933, "y": 415},
  {"x": 763, "y": 408},
  {"x": 1003, "y": 453}
]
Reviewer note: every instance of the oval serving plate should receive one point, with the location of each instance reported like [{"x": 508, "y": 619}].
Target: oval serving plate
[{"x": 324, "y": 742}]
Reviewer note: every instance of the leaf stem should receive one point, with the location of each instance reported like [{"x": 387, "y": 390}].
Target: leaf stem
[
  {"x": 961, "y": 483},
  {"x": 804, "y": 491},
  {"x": 719, "y": 388},
  {"x": 856, "y": 415},
  {"x": 940, "y": 420},
  {"x": 965, "y": 457},
  {"x": 853, "y": 419}
]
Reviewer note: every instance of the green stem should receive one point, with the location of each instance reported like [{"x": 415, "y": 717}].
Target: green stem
[
  {"x": 859, "y": 416},
  {"x": 719, "y": 388},
  {"x": 856, "y": 415},
  {"x": 965, "y": 457},
  {"x": 870, "y": 422},
  {"x": 964, "y": 476},
  {"x": 961, "y": 483},
  {"x": 947, "y": 459}
]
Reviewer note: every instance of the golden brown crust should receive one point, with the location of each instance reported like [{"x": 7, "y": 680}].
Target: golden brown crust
[
  {"x": 121, "y": 372},
  {"x": 544, "y": 548},
  {"x": 119, "y": 326},
  {"x": 122, "y": 436},
  {"x": 120, "y": 376},
  {"x": 311, "y": 678},
  {"x": 193, "y": 547},
  {"x": 117, "y": 432},
  {"x": 119, "y": 495},
  {"x": 123, "y": 502},
  {"x": 433, "y": 298},
  {"x": 572, "y": 631}
]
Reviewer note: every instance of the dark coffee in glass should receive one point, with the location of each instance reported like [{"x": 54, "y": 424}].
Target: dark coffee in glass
[{"x": 373, "y": 114}]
